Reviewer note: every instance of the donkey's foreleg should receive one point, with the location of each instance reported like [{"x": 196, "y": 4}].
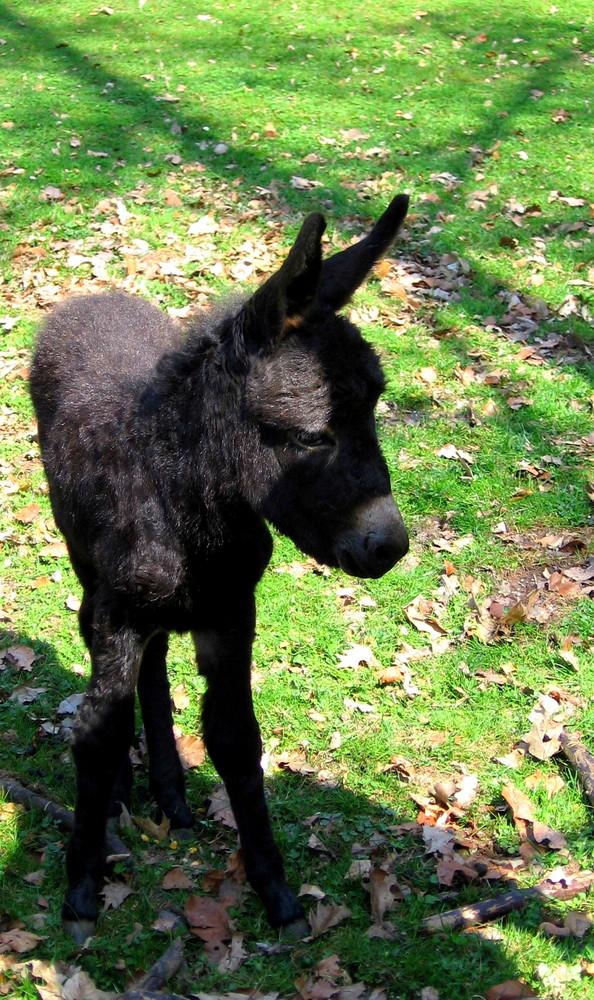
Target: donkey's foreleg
[
  {"x": 232, "y": 738},
  {"x": 102, "y": 737},
  {"x": 166, "y": 776}
]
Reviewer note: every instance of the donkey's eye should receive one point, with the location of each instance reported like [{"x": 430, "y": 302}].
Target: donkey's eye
[{"x": 307, "y": 441}]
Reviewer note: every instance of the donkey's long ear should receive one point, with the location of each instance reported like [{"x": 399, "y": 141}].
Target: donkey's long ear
[
  {"x": 343, "y": 273},
  {"x": 288, "y": 293}
]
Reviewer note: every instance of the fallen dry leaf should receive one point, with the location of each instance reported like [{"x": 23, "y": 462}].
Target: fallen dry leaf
[
  {"x": 176, "y": 878},
  {"x": 25, "y": 695},
  {"x": 357, "y": 655},
  {"x": 422, "y": 613},
  {"x": 158, "y": 831},
  {"x": 511, "y": 989},
  {"x": 543, "y": 740},
  {"x": 528, "y": 827},
  {"x": 191, "y": 750},
  {"x": 28, "y": 514},
  {"x": 220, "y": 807},
  {"x": 325, "y": 917},
  {"x": 18, "y": 940},
  {"x": 208, "y": 919},
  {"x": 114, "y": 894},
  {"x": 384, "y": 892},
  {"x": 21, "y": 657}
]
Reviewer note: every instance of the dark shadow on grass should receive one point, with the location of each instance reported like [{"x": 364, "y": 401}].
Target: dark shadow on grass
[
  {"x": 301, "y": 808},
  {"x": 317, "y": 827}
]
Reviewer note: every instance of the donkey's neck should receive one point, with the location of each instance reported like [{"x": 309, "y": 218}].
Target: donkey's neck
[{"x": 193, "y": 413}]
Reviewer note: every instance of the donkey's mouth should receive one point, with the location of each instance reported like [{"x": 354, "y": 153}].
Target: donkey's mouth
[
  {"x": 376, "y": 540},
  {"x": 372, "y": 557}
]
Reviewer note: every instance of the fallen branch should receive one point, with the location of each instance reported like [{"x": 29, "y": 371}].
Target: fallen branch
[
  {"x": 64, "y": 817},
  {"x": 148, "y": 988},
  {"x": 499, "y": 906},
  {"x": 581, "y": 759}
]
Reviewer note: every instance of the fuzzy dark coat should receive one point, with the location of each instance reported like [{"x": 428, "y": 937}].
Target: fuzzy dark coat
[{"x": 166, "y": 455}]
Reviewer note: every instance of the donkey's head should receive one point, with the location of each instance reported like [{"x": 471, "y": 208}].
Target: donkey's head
[{"x": 316, "y": 469}]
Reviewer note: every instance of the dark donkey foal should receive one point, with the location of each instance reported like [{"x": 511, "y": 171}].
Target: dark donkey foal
[{"x": 164, "y": 457}]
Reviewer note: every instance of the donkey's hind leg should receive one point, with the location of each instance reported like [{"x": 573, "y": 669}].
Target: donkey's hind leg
[
  {"x": 102, "y": 737},
  {"x": 166, "y": 776},
  {"x": 122, "y": 789}
]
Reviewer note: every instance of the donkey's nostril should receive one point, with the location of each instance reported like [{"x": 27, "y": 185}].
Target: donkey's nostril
[{"x": 385, "y": 555}]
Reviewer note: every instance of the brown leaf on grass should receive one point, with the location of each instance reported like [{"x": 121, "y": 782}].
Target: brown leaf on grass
[
  {"x": 390, "y": 286},
  {"x": 114, "y": 894},
  {"x": 51, "y": 193},
  {"x": 28, "y": 514},
  {"x": 529, "y": 828},
  {"x": 401, "y": 766},
  {"x": 234, "y": 956},
  {"x": 208, "y": 919},
  {"x": 399, "y": 675},
  {"x": 560, "y": 584},
  {"x": 543, "y": 834},
  {"x": 520, "y": 612},
  {"x": 80, "y": 986},
  {"x": 521, "y": 808},
  {"x": 543, "y": 740},
  {"x": 294, "y": 761},
  {"x": 54, "y": 550},
  {"x": 176, "y": 878},
  {"x": 308, "y": 889},
  {"x": 576, "y": 924},
  {"x": 452, "y": 451},
  {"x": 18, "y": 940},
  {"x": 517, "y": 402},
  {"x": 438, "y": 840},
  {"x": 422, "y": 614},
  {"x": 515, "y": 759},
  {"x": 581, "y": 574},
  {"x": 354, "y": 134},
  {"x": 25, "y": 695},
  {"x": 511, "y": 989},
  {"x": 323, "y": 918},
  {"x": 220, "y": 807},
  {"x": 384, "y": 892},
  {"x": 552, "y": 783},
  {"x": 35, "y": 878},
  {"x": 171, "y": 198},
  {"x": 180, "y": 698},
  {"x": 452, "y": 865},
  {"x": 460, "y": 791},
  {"x": 158, "y": 831},
  {"x": 21, "y": 657},
  {"x": 191, "y": 750}
]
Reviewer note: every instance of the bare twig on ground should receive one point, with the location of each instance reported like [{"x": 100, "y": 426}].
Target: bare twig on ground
[
  {"x": 148, "y": 988},
  {"x": 581, "y": 759},
  {"x": 499, "y": 906},
  {"x": 32, "y": 800}
]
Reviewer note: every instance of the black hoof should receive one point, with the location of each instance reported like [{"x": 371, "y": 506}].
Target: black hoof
[
  {"x": 296, "y": 929},
  {"x": 180, "y": 818},
  {"x": 182, "y": 833},
  {"x": 79, "y": 930}
]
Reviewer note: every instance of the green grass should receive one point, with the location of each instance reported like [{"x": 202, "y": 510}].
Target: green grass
[{"x": 472, "y": 109}]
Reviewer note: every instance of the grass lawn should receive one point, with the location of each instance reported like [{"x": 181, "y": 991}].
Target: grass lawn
[{"x": 173, "y": 149}]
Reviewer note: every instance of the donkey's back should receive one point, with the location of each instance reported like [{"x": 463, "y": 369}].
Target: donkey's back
[{"x": 94, "y": 354}]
